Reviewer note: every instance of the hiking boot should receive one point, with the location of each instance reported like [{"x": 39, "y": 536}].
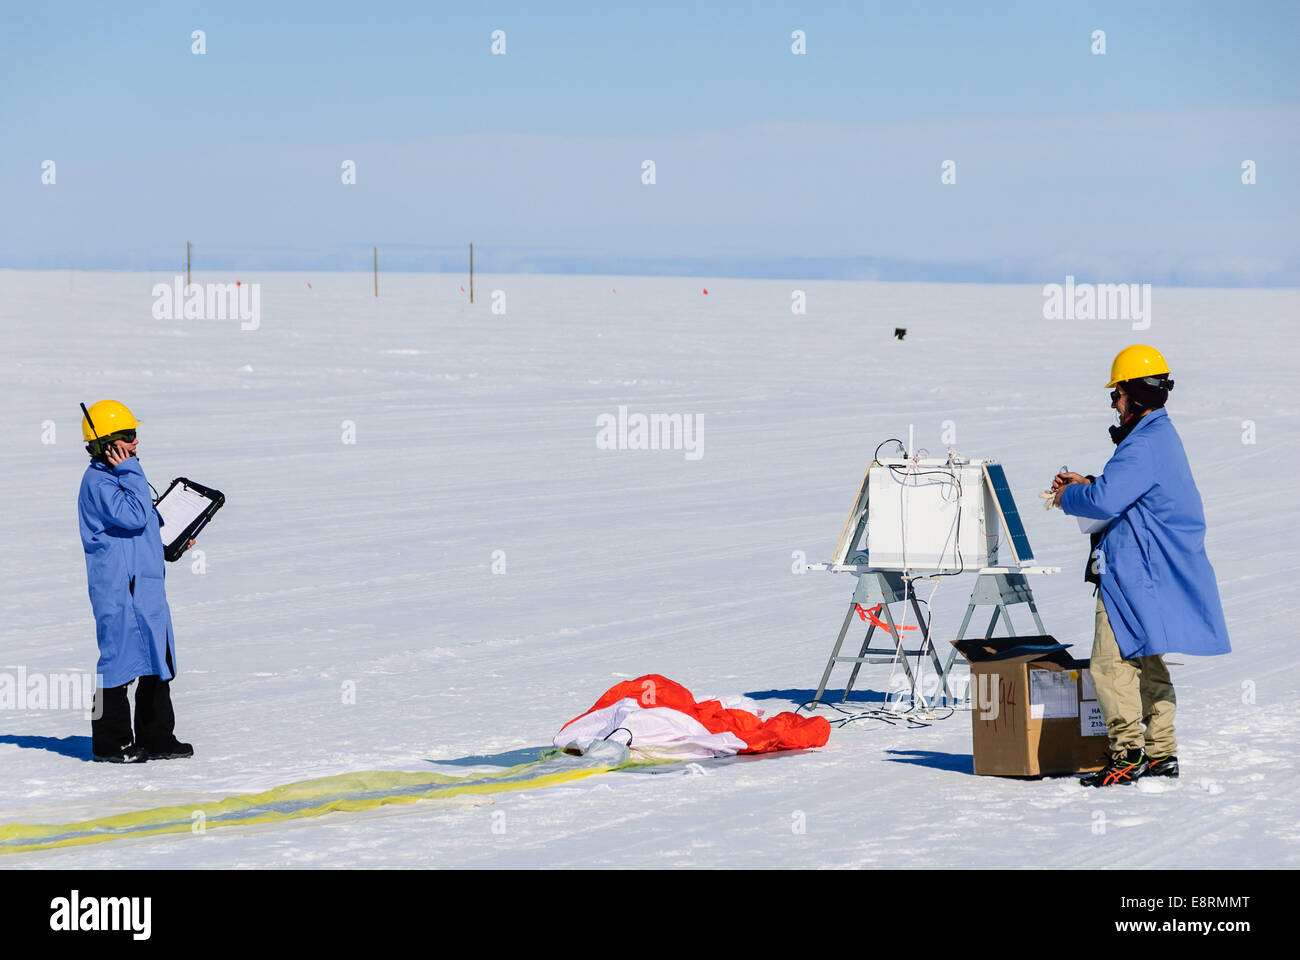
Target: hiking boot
[
  {"x": 1163, "y": 767},
  {"x": 170, "y": 751},
  {"x": 131, "y": 753},
  {"x": 1122, "y": 768}
]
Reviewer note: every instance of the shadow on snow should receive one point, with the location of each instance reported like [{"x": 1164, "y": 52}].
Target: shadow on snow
[{"x": 76, "y": 747}]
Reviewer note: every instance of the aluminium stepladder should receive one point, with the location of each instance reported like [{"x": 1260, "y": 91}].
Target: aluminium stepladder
[{"x": 881, "y": 588}]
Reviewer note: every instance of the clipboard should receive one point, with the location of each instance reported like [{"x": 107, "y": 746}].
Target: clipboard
[{"x": 185, "y": 508}]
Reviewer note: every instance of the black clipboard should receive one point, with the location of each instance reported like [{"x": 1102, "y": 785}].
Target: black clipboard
[{"x": 193, "y": 518}]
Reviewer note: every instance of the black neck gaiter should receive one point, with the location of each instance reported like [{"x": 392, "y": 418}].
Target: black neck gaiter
[{"x": 1117, "y": 434}]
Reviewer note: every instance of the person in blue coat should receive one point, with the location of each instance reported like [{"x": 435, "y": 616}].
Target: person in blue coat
[
  {"x": 1158, "y": 593},
  {"x": 124, "y": 572}
]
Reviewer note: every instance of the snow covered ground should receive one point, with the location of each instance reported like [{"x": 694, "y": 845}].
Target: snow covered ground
[{"x": 370, "y": 564}]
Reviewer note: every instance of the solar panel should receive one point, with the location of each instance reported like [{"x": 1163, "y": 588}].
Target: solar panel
[{"x": 1010, "y": 515}]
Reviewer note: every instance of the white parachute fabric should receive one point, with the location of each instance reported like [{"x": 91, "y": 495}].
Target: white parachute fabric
[{"x": 655, "y": 733}]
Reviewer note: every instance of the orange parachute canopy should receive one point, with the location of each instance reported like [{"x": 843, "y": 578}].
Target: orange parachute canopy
[{"x": 653, "y": 692}]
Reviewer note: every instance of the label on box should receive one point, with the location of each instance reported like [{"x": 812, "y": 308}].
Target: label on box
[
  {"x": 1090, "y": 722},
  {"x": 1052, "y": 693},
  {"x": 1089, "y": 691}
]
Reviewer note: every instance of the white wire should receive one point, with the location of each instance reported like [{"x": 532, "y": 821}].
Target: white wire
[
  {"x": 904, "y": 499},
  {"x": 907, "y": 583},
  {"x": 955, "y": 483},
  {"x": 929, "y": 634},
  {"x": 898, "y": 636}
]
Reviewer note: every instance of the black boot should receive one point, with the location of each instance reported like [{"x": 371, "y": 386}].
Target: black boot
[
  {"x": 1122, "y": 768},
  {"x": 131, "y": 753},
  {"x": 171, "y": 751},
  {"x": 110, "y": 728},
  {"x": 1163, "y": 767},
  {"x": 155, "y": 720}
]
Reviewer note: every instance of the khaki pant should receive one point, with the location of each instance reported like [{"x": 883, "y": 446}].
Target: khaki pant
[{"x": 1131, "y": 693}]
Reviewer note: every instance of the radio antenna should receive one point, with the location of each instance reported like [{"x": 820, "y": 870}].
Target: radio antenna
[{"x": 89, "y": 421}]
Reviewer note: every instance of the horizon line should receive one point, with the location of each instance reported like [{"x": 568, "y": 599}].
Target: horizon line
[{"x": 832, "y": 269}]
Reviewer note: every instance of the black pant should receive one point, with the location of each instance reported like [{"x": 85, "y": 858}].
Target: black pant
[{"x": 154, "y": 719}]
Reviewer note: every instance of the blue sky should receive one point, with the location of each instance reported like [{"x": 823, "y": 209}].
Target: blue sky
[{"x": 1117, "y": 167}]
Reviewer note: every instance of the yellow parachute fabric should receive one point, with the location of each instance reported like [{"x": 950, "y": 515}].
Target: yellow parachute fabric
[{"x": 348, "y": 792}]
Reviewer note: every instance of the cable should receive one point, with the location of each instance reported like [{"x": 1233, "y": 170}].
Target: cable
[
  {"x": 928, "y": 642},
  {"x": 876, "y": 455},
  {"x": 917, "y": 676},
  {"x": 898, "y": 628},
  {"x": 954, "y": 478},
  {"x": 616, "y": 730},
  {"x": 882, "y": 714},
  {"x": 907, "y": 475}
]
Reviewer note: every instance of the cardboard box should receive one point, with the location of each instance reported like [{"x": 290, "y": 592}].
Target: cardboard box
[{"x": 1033, "y": 708}]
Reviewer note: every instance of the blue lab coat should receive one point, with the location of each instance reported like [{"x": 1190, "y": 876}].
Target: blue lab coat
[
  {"x": 1156, "y": 581},
  {"x": 124, "y": 569}
]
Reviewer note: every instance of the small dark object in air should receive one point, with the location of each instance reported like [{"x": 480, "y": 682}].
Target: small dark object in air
[{"x": 900, "y": 333}]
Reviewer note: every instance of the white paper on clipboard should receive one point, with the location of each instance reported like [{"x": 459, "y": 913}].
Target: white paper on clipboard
[
  {"x": 1089, "y": 525},
  {"x": 179, "y": 507}
]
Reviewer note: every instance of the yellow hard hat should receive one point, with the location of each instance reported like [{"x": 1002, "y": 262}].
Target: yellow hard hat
[
  {"x": 107, "y": 416},
  {"x": 1137, "y": 361}
]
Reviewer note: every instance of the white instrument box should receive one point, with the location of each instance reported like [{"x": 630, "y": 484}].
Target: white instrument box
[{"x": 931, "y": 516}]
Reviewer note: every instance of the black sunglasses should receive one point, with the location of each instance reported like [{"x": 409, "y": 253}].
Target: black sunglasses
[
  {"x": 1115, "y": 395},
  {"x": 126, "y": 436}
]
